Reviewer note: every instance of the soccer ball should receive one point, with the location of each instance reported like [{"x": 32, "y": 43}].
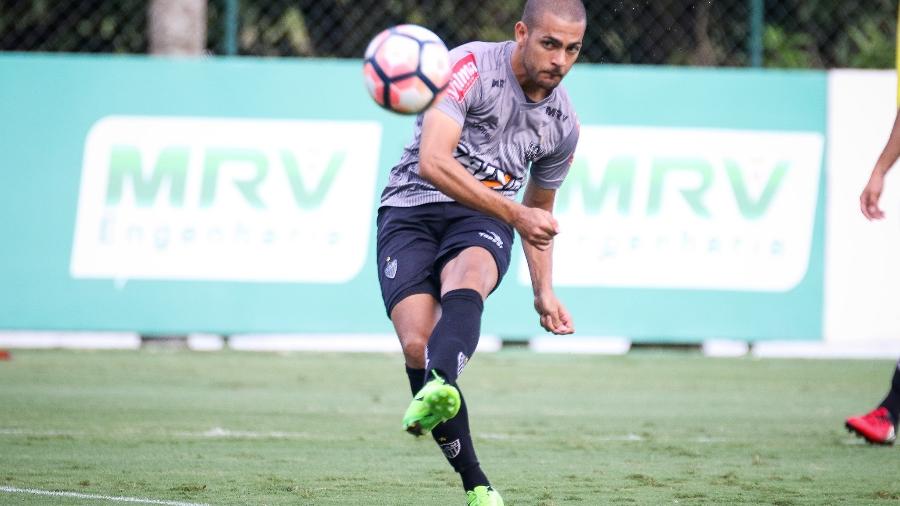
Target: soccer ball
[{"x": 406, "y": 68}]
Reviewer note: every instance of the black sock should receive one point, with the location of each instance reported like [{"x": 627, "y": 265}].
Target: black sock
[
  {"x": 456, "y": 334},
  {"x": 453, "y": 437},
  {"x": 416, "y": 379},
  {"x": 455, "y": 441},
  {"x": 892, "y": 401}
]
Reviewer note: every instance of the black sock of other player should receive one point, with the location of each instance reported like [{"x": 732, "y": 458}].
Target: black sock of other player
[
  {"x": 456, "y": 334},
  {"x": 455, "y": 441},
  {"x": 892, "y": 401}
]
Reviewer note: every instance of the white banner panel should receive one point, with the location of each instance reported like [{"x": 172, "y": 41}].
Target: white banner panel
[
  {"x": 226, "y": 199},
  {"x": 688, "y": 209},
  {"x": 862, "y": 258}
]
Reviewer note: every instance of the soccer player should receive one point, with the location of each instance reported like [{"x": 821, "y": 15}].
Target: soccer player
[
  {"x": 879, "y": 426},
  {"x": 446, "y": 220}
]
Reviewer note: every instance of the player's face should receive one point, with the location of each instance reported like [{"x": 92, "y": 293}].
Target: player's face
[{"x": 549, "y": 49}]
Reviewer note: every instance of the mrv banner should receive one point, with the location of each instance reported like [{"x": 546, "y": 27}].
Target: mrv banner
[{"x": 171, "y": 196}]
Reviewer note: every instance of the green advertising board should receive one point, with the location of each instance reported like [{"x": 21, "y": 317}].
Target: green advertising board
[{"x": 240, "y": 195}]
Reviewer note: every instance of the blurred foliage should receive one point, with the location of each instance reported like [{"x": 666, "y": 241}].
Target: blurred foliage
[
  {"x": 830, "y": 33},
  {"x": 787, "y": 50},
  {"x": 89, "y": 26},
  {"x": 797, "y": 33}
]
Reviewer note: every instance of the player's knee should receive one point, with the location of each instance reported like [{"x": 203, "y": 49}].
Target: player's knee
[
  {"x": 414, "y": 349},
  {"x": 474, "y": 269}
]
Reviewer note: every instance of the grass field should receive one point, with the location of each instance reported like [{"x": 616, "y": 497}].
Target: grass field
[{"x": 243, "y": 428}]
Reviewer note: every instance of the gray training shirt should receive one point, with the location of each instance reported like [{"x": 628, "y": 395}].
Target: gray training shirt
[{"x": 503, "y": 134}]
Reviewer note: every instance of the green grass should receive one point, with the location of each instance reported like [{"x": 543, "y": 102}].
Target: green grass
[{"x": 647, "y": 428}]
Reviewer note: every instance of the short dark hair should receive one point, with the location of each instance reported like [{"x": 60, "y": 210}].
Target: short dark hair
[{"x": 571, "y": 10}]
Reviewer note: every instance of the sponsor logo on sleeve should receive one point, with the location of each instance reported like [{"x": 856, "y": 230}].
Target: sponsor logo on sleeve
[{"x": 465, "y": 74}]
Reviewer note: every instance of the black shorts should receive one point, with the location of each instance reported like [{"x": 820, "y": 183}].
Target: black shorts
[{"x": 415, "y": 243}]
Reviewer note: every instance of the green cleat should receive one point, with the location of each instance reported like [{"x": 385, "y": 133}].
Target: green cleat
[
  {"x": 483, "y": 496},
  {"x": 436, "y": 402}
]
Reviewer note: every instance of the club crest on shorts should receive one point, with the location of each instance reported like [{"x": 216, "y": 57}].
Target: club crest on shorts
[
  {"x": 451, "y": 449},
  {"x": 390, "y": 267}
]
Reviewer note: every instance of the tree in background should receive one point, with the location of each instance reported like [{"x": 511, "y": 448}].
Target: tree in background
[{"x": 177, "y": 27}]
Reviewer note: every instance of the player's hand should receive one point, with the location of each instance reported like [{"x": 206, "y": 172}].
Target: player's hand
[
  {"x": 536, "y": 226},
  {"x": 868, "y": 201},
  {"x": 554, "y": 316}
]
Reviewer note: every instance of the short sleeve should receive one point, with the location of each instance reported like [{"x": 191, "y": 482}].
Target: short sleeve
[
  {"x": 463, "y": 90},
  {"x": 550, "y": 170}
]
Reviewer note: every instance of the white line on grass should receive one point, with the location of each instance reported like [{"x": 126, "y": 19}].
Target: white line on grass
[
  {"x": 222, "y": 433},
  {"x": 39, "y": 433},
  {"x": 507, "y": 437},
  {"x": 77, "y": 495},
  {"x": 219, "y": 432},
  {"x": 215, "y": 433},
  {"x": 627, "y": 438}
]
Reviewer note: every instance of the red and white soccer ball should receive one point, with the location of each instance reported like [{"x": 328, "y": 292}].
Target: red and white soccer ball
[{"x": 406, "y": 68}]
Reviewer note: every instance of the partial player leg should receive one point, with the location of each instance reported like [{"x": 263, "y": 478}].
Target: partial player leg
[
  {"x": 474, "y": 256},
  {"x": 455, "y": 440},
  {"x": 415, "y": 312},
  {"x": 465, "y": 278},
  {"x": 433, "y": 401},
  {"x": 453, "y": 339},
  {"x": 879, "y": 426},
  {"x": 453, "y": 437},
  {"x": 407, "y": 246},
  {"x": 476, "y": 252},
  {"x": 414, "y": 318},
  {"x": 892, "y": 401},
  {"x": 460, "y": 314},
  {"x": 466, "y": 281}
]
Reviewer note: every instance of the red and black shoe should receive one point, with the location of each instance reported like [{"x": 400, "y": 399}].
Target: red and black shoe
[{"x": 876, "y": 426}]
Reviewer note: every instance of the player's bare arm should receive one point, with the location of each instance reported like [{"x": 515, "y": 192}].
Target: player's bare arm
[
  {"x": 553, "y": 315},
  {"x": 868, "y": 201},
  {"x": 440, "y": 135}
]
